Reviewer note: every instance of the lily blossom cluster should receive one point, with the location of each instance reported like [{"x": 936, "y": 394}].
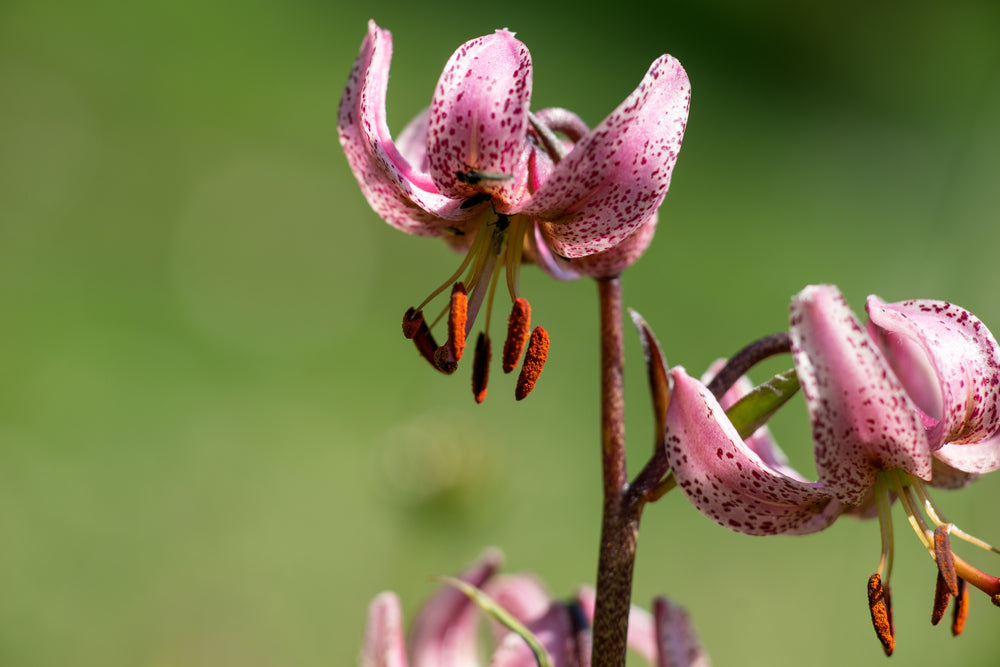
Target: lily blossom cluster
[
  {"x": 908, "y": 401},
  {"x": 446, "y": 630},
  {"x": 506, "y": 185}
]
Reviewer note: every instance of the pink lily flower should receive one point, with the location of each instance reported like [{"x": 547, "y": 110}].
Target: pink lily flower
[
  {"x": 910, "y": 400},
  {"x": 446, "y": 631},
  {"x": 505, "y": 185}
]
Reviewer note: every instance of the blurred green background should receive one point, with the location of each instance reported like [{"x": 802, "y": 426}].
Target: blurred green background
[{"x": 215, "y": 446}]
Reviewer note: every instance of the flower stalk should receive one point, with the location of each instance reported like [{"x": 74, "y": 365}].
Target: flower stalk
[{"x": 620, "y": 516}]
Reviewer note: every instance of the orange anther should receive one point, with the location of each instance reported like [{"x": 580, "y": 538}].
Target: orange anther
[
  {"x": 878, "y": 603},
  {"x": 518, "y": 327},
  {"x": 481, "y": 367},
  {"x": 457, "y": 318},
  {"x": 534, "y": 362}
]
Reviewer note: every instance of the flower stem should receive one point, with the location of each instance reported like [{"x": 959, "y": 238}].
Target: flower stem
[{"x": 620, "y": 520}]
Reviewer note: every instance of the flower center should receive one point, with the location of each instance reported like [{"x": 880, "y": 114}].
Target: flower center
[
  {"x": 496, "y": 249},
  {"x": 953, "y": 572}
]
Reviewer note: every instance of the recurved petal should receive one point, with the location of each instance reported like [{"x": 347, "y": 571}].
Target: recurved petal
[
  {"x": 479, "y": 118},
  {"x": 383, "y": 645},
  {"x": 401, "y": 194},
  {"x": 726, "y": 480},
  {"x": 863, "y": 421},
  {"x": 964, "y": 358},
  {"x": 968, "y": 461},
  {"x": 617, "y": 175},
  {"x": 760, "y": 442},
  {"x": 445, "y": 630},
  {"x": 614, "y": 260}
]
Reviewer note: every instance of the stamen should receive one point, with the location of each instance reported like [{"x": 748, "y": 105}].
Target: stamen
[
  {"x": 938, "y": 518},
  {"x": 961, "y": 609},
  {"x": 518, "y": 328},
  {"x": 945, "y": 558},
  {"x": 882, "y": 504},
  {"x": 424, "y": 340},
  {"x": 881, "y": 610},
  {"x": 443, "y": 360},
  {"x": 534, "y": 362},
  {"x": 457, "y": 319},
  {"x": 941, "y": 598},
  {"x": 412, "y": 320},
  {"x": 481, "y": 367}
]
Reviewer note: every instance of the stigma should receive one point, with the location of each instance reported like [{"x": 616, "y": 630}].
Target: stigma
[
  {"x": 954, "y": 575},
  {"x": 496, "y": 251}
]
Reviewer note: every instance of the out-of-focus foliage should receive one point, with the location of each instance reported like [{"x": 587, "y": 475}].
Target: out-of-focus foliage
[{"x": 215, "y": 445}]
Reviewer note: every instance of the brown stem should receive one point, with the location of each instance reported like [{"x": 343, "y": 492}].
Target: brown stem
[
  {"x": 746, "y": 358},
  {"x": 620, "y": 521}
]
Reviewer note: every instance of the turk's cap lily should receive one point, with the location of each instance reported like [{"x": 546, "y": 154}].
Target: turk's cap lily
[
  {"x": 908, "y": 400},
  {"x": 505, "y": 185},
  {"x": 446, "y": 631},
  {"x": 479, "y": 146}
]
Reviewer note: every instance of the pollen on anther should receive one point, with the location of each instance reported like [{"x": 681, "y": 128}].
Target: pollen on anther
[
  {"x": 518, "y": 328},
  {"x": 961, "y": 609},
  {"x": 945, "y": 558},
  {"x": 412, "y": 321},
  {"x": 481, "y": 367},
  {"x": 457, "y": 318},
  {"x": 534, "y": 362},
  {"x": 941, "y": 598},
  {"x": 425, "y": 343},
  {"x": 878, "y": 603}
]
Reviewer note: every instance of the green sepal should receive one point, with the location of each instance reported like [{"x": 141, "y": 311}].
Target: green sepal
[
  {"x": 502, "y": 616},
  {"x": 753, "y": 410}
]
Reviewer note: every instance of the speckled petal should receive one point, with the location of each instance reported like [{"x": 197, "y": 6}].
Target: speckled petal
[
  {"x": 677, "y": 644},
  {"x": 760, "y": 442},
  {"x": 863, "y": 421},
  {"x": 613, "y": 261},
  {"x": 961, "y": 351},
  {"x": 618, "y": 174},
  {"x": 383, "y": 645},
  {"x": 726, "y": 480},
  {"x": 974, "y": 458},
  {"x": 401, "y": 194},
  {"x": 479, "y": 118},
  {"x": 446, "y": 630}
]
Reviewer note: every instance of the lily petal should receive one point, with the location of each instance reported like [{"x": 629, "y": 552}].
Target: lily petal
[
  {"x": 383, "y": 645},
  {"x": 618, "y": 174},
  {"x": 676, "y": 642},
  {"x": 963, "y": 355},
  {"x": 728, "y": 482},
  {"x": 863, "y": 421},
  {"x": 479, "y": 119},
  {"x": 402, "y": 195},
  {"x": 760, "y": 442},
  {"x": 612, "y": 262},
  {"x": 445, "y": 631}
]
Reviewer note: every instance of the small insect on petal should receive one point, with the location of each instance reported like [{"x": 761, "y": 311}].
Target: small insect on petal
[
  {"x": 474, "y": 176},
  {"x": 961, "y": 609},
  {"x": 534, "y": 362},
  {"x": 457, "y": 318},
  {"x": 945, "y": 558},
  {"x": 518, "y": 328},
  {"x": 481, "y": 367},
  {"x": 878, "y": 603}
]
